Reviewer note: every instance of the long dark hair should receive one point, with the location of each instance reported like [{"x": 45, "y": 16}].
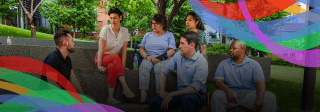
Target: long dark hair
[{"x": 200, "y": 25}]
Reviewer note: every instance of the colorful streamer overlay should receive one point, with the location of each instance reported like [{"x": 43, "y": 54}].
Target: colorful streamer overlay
[
  {"x": 47, "y": 97},
  {"x": 300, "y": 57},
  {"x": 34, "y": 94},
  {"x": 241, "y": 31}
]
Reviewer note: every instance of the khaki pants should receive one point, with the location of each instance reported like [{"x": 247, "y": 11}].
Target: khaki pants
[{"x": 219, "y": 102}]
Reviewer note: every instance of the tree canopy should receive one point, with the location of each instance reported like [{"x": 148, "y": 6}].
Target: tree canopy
[
  {"x": 80, "y": 14},
  {"x": 8, "y": 9}
]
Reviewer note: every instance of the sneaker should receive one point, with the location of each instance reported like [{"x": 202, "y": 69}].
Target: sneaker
[
  {"x": 145, "y": 100},
  {"x": 129, "y": 94},
  {"x": 112, "y": 101}
]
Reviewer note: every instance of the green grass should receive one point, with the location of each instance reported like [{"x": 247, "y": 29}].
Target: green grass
[
  {"x": 23, "y": 33},
  {"x": 286, "y": 84}
]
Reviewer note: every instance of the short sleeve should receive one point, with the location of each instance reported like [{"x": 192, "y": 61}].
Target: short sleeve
[
  {"x": 53, "y": 61},
  {"x": 103, "y": 33},
  {"x": 144, "y": 40},
  {"x": 200, "y": 77},
  {"x": 220, "y": 71},
  {"x": 126, "y": 35},
  {"x": 171, "y": 64},
  {"x": 203, "y": 38},
  {"x": 257, "y": 72},
  {"x": 172, "y": 42}
]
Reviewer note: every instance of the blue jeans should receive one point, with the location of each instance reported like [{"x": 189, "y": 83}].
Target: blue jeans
[{"x": 188, "y": 102}]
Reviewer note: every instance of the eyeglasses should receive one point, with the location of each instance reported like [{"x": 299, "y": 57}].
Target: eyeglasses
[{"x": 155, "y": 24}]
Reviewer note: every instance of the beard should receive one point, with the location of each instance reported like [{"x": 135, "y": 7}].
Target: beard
[{"x": 71, "y": 50}]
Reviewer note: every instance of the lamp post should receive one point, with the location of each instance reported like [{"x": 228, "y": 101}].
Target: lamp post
[{"x": 309, "y": 78}]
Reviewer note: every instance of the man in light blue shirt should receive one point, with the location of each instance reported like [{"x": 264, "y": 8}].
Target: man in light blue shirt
[
  {"x": 240, "y": 82},
  {"x": 192, "y": 74}
]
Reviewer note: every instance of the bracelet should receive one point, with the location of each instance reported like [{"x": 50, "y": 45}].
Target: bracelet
[{"x": 146, "y": 56}]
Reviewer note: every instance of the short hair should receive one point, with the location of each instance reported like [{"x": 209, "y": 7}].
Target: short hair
[
  {"x": 59, "y": 35},
  {"x": 200, "y": 25},
  {"x": 191, "y": 37},
  {"x": 117, "y": 11},
  {"x": 161, "y": 19}
]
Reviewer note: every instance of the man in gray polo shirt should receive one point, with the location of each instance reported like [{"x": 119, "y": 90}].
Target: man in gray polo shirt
[{"x": 240, "y": 82}]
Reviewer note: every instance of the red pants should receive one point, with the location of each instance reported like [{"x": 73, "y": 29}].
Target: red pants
[{"x": 114, "y": 67}]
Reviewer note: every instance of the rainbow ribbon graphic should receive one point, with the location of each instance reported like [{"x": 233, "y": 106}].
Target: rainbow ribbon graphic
[
  {"x": 263, "y": 35},
  {"x": 34, "y": 94}
]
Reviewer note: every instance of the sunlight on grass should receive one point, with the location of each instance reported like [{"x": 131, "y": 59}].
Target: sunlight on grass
[{"x": 23, "y": 33}]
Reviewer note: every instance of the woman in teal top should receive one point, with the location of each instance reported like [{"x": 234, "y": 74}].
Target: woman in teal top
[{"x": 194, "y": 23}]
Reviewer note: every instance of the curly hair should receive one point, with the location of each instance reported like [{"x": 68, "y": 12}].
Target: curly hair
[{"x": 161, "y": 19}]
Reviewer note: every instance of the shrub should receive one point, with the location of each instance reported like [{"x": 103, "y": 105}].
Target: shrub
[
  {"x": 138, "y": 38},
  {"x": 218, "y": 48},
  {"x": 275, "y": 60},
  {"x": 42, "y": 29}
]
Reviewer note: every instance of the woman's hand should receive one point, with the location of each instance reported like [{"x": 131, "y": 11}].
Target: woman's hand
[
  {"x": 155, "y": 61},
  {"x": 150, "y": 58},
  {"x": 102, "y": 69},
  {"x": 106, "y": 50}
]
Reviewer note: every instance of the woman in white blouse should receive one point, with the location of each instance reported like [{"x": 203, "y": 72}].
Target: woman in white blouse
[{"x": 113, "y": 39}]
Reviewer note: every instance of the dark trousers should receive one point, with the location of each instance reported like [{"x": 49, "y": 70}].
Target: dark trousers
[{"x": 188, "y": 102}]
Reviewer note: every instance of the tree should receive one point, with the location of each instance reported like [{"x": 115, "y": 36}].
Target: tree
[
  {"x": 8, "y": 9},
  {"x": 178, "y": 24},
  {"x": 137, "y": 14},
  {"x": 161, "y": 6},
  {"x": 30, "y": 15},
  {"x": 81, "y": 14}
]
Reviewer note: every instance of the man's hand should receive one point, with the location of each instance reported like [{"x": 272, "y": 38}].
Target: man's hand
[
  {"x": 102, "y": 69},
  {"x": 258, "y": 104},
  {"x": 163, "y": 94},
  {"x": 165, "y": 102},
  {"x": 231, "y": 98},
  {"x": 125, "y": 68}
]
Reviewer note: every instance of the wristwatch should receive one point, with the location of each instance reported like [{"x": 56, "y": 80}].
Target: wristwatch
[{"x": 146, "y": 56}]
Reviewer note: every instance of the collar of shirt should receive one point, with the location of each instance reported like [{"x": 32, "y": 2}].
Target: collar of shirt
[
  {"x": 195, "y": 56},
  {"x": 120, "y": 31},
  {"x": 246, "y": 60},
  {"x": 57, "y": 51}
]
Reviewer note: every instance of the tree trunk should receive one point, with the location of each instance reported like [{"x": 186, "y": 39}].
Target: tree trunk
[
  {"x": 175, "y": 9},
  {"x": 223, "y": 39},
  {"x": 131, "y": 41},
  {"x": 30, "y": 15},
  {"x": 33, "y": 29},
  {"x": 163, "y": 5},
  {"x": 74, "y": 31}
]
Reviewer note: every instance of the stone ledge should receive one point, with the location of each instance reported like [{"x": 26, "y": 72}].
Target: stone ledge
[{"x": 129, "y": 107}]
